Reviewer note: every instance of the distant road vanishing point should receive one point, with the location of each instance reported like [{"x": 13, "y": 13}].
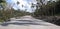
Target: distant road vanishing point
[{"x": 27, "y": 22}]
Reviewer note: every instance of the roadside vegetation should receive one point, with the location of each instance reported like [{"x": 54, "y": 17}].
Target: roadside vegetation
[
  {"x": 49, "y": 12},
  {"x": 8, "y": 12}
]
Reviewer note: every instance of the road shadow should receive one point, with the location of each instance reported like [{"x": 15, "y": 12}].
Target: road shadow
[
  {"x": 6, "y": 24},
  {"x": 28, "y": 22}
]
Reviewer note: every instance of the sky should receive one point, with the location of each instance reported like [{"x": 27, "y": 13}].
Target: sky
[{"x": 26, "y": 4}]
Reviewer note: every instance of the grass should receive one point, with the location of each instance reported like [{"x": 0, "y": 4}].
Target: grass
[{"x": 1, "y": 20}]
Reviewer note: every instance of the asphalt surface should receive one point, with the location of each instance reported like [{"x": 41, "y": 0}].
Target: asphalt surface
[{"x": 27, "y": 22}]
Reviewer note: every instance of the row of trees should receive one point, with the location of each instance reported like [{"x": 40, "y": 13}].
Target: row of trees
[
  {"x": 52, "y": 8},
  {"x": 5, "y": 15},
  {"x": 7, "y": 12}
]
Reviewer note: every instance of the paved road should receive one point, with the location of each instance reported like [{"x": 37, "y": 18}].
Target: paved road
[{"x": 27, "y": 22}]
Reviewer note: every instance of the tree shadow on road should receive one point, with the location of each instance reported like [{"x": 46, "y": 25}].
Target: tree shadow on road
[{"x": 24, "y": 22}]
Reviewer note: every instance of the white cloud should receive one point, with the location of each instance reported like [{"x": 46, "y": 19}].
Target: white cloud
[{"x": 26, "y": 4}]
